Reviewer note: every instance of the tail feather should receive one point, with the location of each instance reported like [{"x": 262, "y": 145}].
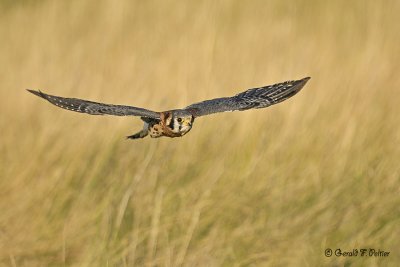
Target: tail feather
[{"x": 143, "y": 133}]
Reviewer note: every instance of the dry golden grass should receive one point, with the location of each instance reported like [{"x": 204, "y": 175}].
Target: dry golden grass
[{"x": 272, "y": 187}]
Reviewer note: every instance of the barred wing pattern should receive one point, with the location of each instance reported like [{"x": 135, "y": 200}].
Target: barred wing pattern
[
  {"x": 251, "y": 99},
  {"x": 94, "y": 108}
]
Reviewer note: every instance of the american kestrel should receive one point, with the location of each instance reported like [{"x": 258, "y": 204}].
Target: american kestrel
[{"x": 178, "y": 122}]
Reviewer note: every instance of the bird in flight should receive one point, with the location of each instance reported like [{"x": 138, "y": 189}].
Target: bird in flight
[{"x": 178, "y": 122}]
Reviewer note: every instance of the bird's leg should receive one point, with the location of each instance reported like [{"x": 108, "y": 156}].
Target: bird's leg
[{"x": 143, "y": 133}]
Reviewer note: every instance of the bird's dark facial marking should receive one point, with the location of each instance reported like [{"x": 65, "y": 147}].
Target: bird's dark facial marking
[
  {"x": 167, "y": 115},
  {"x": 171, "y": 124}
]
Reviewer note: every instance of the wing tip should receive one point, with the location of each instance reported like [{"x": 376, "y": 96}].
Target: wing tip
[
  {"x": 36, "y": 92},
  {"x": 304, "y": 80},
  {"x": 299, "y": 84}
]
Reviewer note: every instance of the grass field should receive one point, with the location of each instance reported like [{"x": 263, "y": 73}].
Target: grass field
[{"x": 272, "y": 187}]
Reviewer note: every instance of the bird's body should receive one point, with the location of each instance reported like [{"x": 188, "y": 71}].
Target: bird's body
[
  {"x": 171, "y": 124},
  {"x": 178, "y": 122}
]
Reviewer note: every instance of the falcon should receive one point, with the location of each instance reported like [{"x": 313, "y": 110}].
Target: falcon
[{"x": 178, "y": 122}]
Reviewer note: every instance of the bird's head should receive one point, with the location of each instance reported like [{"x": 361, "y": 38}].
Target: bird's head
[{"x": 180, "y": 122}]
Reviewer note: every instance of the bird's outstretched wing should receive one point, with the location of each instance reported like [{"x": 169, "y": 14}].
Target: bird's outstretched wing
[
  {"x": 94, "y": 108},
  {"x": 253, "y": 98}
]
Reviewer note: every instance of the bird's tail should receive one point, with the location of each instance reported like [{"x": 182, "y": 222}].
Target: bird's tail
[{"x": 141, "y": 134}]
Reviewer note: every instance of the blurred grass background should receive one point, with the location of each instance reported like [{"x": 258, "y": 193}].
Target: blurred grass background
[{"x": 269, "y": 187}]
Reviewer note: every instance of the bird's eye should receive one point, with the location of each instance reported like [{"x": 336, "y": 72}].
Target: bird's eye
[{"x": 179, "y": 120}]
